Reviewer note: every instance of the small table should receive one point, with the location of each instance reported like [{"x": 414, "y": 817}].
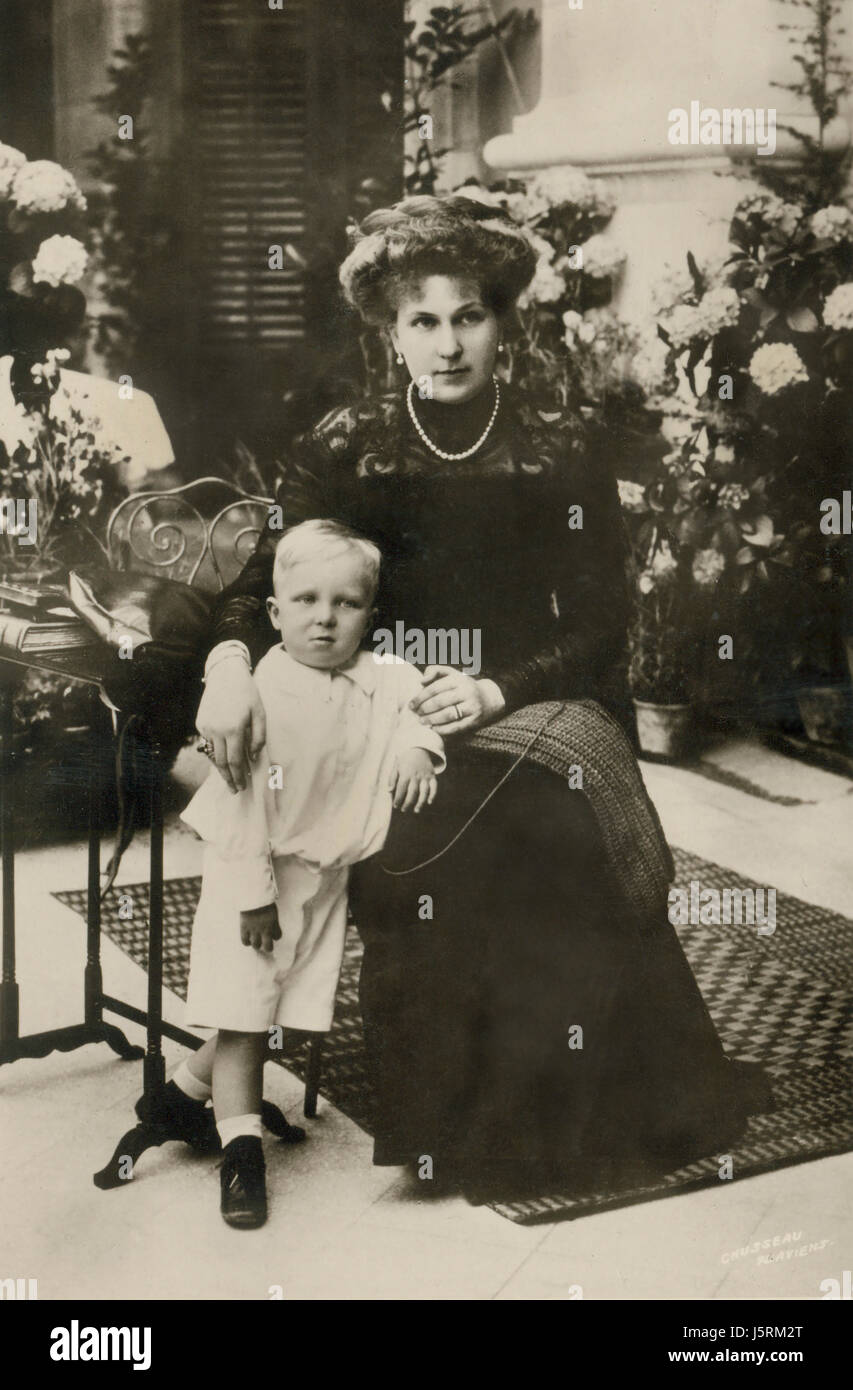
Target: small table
[{"x": 87, "y": 665}]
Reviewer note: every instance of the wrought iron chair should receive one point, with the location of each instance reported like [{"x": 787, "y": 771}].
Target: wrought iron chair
[
  {"x": 200, "y": 533},
  {"x": 188, "y": 533}
]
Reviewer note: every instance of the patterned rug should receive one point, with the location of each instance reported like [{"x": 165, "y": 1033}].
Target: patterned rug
[{"x": 783, "y": 1000}]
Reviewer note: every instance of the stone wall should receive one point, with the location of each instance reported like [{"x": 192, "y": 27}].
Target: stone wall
[{"x": 610, "y": 71}]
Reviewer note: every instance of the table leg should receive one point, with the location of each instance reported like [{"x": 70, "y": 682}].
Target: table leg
[
  {"x": 8, "y": 988},
  {"x": 154, "y": 1070},
  {"x": 93, "y": 990},
  {"x": 312, "y": 1075},
  {"x": 94, "y": 984},
  {"x": 151, "y": 1131}
]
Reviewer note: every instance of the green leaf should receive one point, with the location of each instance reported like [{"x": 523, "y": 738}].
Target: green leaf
[
  {"x": 762, "y": 534},
  {"x": 802, "y": 320},
  {"x": 696, "y": 274}
]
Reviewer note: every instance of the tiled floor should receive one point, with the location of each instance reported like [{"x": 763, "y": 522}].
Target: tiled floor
[{"x": 341, "y": 1229}]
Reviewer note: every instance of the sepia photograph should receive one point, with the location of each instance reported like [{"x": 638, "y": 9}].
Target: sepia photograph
[{"x": 426, "y": 664}]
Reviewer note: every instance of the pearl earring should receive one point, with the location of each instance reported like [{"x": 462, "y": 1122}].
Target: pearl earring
[{"x": 400, "y": 359}]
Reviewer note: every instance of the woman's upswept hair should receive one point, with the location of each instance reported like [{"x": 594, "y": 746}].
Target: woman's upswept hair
[{"x": 395, "y": 247}]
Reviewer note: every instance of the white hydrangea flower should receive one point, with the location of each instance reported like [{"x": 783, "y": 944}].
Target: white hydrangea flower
[
  {"x": 43, "y": 186},
  {"x": 587, "y": 332},
  {"x": 720, "y": 308},
  {"x": 60, "y": 260},
  {"x": 765, "y": 205},
  {"x": 789, "y": 218},
  {"x": 683, "y": 324},
  {"x": 649, "y": 364},
  {"x": 631, "y": 495},
  {"x": 646, "y": 582},
  {"x": 708, "y": 565},
  {"x": 546, "y": 287},
  {"x": 833, "y": 223},
  {"x": 602, "y": 256},
  {"x": 564, "y": 184},
  {"x": 547, "y": 284},
  {"x": 838, "y": 309},
  {"x": 11, "y": 160},
  {"x": 771, "y": 210},
  {"x": 673, "y": 285},
  {"x": 775, "y": 366}
]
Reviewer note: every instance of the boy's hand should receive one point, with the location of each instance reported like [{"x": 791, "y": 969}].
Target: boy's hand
[
  {"x": 259, "y": 927},
  {"x": 413, "y": 781}
]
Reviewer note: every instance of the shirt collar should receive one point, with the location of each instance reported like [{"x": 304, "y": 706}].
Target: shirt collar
[{"x": 304, "y": 680}]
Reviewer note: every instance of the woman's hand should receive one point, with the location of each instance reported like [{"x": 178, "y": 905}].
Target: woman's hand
[
  {"x": 231, "y": 717},
  {"x": 259, "y": 927},
  {"x": 454, "y": 703}
]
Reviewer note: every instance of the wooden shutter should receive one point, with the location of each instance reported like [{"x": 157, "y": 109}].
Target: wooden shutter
[{"x": 246, "y": 121}]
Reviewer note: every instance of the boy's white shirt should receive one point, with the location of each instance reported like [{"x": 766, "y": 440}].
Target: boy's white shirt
[{"x": 335, "y": 736}]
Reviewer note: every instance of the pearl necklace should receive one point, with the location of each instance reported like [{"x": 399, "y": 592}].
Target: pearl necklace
[{"x": 442, "y": 454}]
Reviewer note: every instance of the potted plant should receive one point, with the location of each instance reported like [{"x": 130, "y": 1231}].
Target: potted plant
[{"x": 660, "y": 665}]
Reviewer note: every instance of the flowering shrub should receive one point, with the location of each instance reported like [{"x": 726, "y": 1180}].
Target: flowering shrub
[
  {"x": 754, "y": 383},
  {"x": 11, "y": 160},
  {"x": 51, "y": 453},
  {"x": 44, "y": 187},
  {"x": 838, "y": 309},
  {"x": 42, "y": 257},
  {"x": 757, "y": 367},
  {"x": 60, "y": 260}
]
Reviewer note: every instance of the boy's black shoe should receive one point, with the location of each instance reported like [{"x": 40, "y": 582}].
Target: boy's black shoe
[
  {"x": 243, "y": 1180},
  {"x": 183, "y": 1118},
  {"x": 193, "y": 1121}
]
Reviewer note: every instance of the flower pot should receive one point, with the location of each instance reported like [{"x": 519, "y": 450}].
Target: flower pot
[
  {"x": 665, "y": 732},
  {"x": 824, "y": 712}
]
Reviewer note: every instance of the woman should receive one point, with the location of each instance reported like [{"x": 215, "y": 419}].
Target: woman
[{"x": 527, "y": 1020}]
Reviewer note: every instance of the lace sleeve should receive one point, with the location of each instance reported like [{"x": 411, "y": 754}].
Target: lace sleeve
[{"x": 586, "y": 658}]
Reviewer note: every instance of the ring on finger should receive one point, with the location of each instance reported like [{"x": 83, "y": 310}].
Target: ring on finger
[{"x": 457, "y": 711}]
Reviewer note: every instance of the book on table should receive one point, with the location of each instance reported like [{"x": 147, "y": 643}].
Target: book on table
[{"x": 40, "y": 620}]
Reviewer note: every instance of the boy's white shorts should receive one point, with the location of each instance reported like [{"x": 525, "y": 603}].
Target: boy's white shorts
[{"x": 246, "y": 990}]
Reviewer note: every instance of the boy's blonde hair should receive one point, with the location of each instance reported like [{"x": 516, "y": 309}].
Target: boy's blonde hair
[{"x": 312, "y": 539}]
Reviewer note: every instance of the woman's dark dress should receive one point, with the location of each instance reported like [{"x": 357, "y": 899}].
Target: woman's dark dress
[{"x": 479, "y": 968}]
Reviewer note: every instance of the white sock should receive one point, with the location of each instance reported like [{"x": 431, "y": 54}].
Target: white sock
[
  {"x": 189, "y": 1084},
  {"x": 239, "y": 1124}
]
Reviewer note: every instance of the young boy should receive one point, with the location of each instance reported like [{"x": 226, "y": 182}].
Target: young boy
[{"x": 269, "y": 930}]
